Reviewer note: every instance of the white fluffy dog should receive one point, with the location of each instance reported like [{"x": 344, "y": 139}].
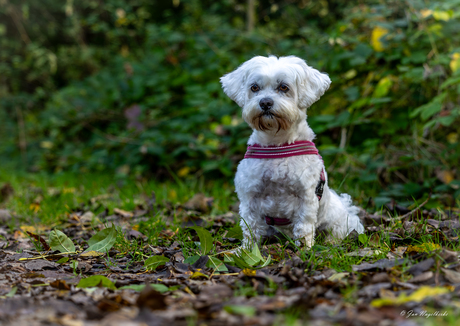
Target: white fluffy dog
[{"x": 282, "y": 181}]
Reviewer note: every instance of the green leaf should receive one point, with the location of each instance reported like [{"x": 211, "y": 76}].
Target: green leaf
[
  {"x": 205, "y": 239},
  {"x": 217, "y": 264},
  {"x": 450, "y": 81},
  {"x": 256, "y": 252},
  {"x": 241, "y": 310},
  {"x": 192, "y": 259},
  {"x": 431, "y": 108},
  {"x": 249, "y": 257},
  {"x": 59, "y": 241},
  {"x": 12, "y": 292},
  {"x": 240, "y": 262},
  {"x": 73, "y": 264},
  {"x": 63, "y": 260},
  {"x": 103, "y": 240},
  {"x": 228, "y": 258},
  {"x": 319, "y": 248},
  {"x": 155, "y": 261},
  {"x": 96, "y": 281},
  {"x": 267, "y": 262},
  {"x": 362, "y": 238},
  {"x": 139, "y": 287},
  {"x": 236, "y": 232}
]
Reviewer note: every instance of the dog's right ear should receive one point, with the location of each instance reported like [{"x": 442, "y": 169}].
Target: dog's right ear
[{"x": 233, "y": 84}]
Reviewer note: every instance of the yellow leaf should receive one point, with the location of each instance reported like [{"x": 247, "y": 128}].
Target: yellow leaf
[
  {"x": 34, "y": 207},
  {"x": 199, "y": 275},
  {"x": 417, "y": 296},
  {"x": 455, "y": 62},
  {"x": 249, "y": 272},
  {"x": 68, "y": 190},
  {"x": 377, "y": 33},
  {"x": 435, "y": 29},
  {"x": 452, "y": 138},
  {"x": 183, "y": 172},
  {"x": 426, "y": 12},
  {"x": 424, "y": 247},
  {"x": 46, "y": 144},
  {"x": 172, "y": 194},
  {"x": 92, "y": 253},
  {"x": 442, "y": 15},
  {"x": 350, "y": 74},
  {"x": 383, "y": 87},
  {"x": 445, "y": 176}
]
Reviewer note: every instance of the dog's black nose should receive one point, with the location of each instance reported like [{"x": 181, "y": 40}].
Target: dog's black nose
[{"x": 266, "y": 103}]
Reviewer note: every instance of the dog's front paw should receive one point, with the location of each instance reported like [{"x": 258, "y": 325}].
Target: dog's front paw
[{"x": 306, "y": 242}]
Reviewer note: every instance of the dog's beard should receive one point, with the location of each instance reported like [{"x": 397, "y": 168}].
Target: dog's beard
[{"x": 269, "y": 121}]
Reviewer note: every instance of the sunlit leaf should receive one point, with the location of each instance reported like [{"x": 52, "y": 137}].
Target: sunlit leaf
[
  {"x": 196, "y": 275},
  {"x": 455, "y": 63},
  {"x": 417, "y": 296},
  {"x": 377, "y": 34}
]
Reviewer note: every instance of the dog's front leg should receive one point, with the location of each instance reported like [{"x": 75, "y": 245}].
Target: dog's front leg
[
  {"x": 253, "y": 226},
  {"x": 304, "y": 226}
]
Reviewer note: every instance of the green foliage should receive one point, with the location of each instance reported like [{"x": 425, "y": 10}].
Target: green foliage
[
  {"x": 59, "y": 241},
  {"x": 96, "y": 281},
  {"x": 155, "y": 261},
  {"x": 103, "y": 240},
  {"x": 133, "y": 86},
  {"x": 206, "y": 239}
]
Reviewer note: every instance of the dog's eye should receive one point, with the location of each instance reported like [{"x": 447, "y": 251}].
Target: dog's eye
[
  {"x": 283, "y": 88},
  {"x": 255, "y": 88}
]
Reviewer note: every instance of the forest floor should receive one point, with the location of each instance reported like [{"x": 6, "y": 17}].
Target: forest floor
[{"x": 93, "y": 250}]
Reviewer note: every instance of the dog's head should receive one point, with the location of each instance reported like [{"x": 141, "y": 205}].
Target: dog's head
[{"x": 274, "y": 92}]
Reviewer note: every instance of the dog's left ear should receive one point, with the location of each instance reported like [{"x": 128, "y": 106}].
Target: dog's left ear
[{"x": 311, "y": 84}]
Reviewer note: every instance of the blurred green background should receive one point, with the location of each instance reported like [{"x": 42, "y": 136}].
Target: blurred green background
[{"x": 131, "y": 87}]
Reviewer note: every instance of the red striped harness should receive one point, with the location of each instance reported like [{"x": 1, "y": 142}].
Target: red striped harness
[{"x": 297, "y": 148}]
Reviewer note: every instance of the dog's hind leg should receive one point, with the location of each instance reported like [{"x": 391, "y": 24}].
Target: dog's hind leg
[{"x": 340, "y": 216}]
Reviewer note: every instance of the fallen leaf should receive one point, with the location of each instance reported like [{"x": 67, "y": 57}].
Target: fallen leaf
[
  {"x": 424, "y": 247},
  {"x": 380, "y": 264},
  {"x": 155, "y": 261},
  {"x": 451, "y": 276},
  {"x": 96, "y": 281},
  {"x": 60, "y": 284},
  {"x": 40, "y": 264},
  {"x": 421, "y": 267},
  {"x": 198, "y": 275},
  {"x": 123, "y": 213},
  {"x": 419, "y": 295},
  {"x": 59, "y": 241},
  {"x": 39, "y": 239},
  {"x": 92, "y": 253}
]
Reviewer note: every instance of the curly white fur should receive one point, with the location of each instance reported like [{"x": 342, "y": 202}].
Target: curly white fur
[{"x": 284, "y": 187}]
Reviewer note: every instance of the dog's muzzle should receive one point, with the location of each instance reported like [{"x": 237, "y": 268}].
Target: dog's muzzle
[{"x": 266, "y": 104}]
